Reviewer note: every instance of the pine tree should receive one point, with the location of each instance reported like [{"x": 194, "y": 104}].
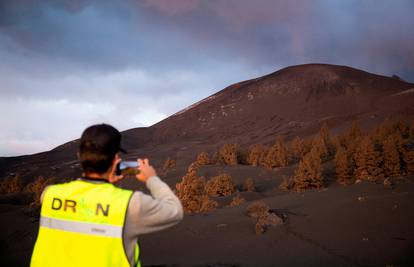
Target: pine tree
[
  {"x": 351, "y": 140},
  {"x": 319, "y": 145},
  {"x": 412, "y": 131},
  {"x": 400, "y": 145},
  {"x": 337, "y": 142},
  {"x": 255, "y": 154},
  {"x": 296, "y": 148},
  {"x": 308, "y": 175},
  {"x": 343, "y": 168},
  {"x": 282, "y": 153},
  {"x": 392, "y": 164},
  {"x": 402, "y": 127},
  {"x": 325, "y": 135},
  {"x": 276, "y": 156},
  {"x": 307, "y": 146},
  {"x": 352, "y": 145},
  {"x": 229, "y": 154},
  {"x": 367, "y": 161},
  {"x": 409, "y": 160},
  {"x": 380, "y": 133},
  {"x": 355, "y": 132}
]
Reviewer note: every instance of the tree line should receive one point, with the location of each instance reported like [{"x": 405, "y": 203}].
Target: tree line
[{"x": 381, "y": 153}]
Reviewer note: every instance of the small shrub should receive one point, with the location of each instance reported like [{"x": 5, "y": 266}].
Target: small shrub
[
  {"x": 193, "y": 168},
  {"x": 215, "y": 158},
  {"x": 220, "y": 185},
  {"x": 191, "y": 191},
  {"x": 263, "y": 222},
  {"x": 11, "y": 185},
  {"x": 169, "y": 164},
  {"x": 207, "y": 204},
  {"x": 257, "y": 209},
  {"x": 286, "y": 184},
  {"x": 236, "y": 201},
  {"x": 203, "y": 159},
  {"x": 259, "y": 228},
  {"x": 388, "y": 183},
  {"x": 37, "y": 188},
  {"x": 265, "y": 218},
  {"x": 270, "y": 219},
  {"x": 249, "y": 185}
]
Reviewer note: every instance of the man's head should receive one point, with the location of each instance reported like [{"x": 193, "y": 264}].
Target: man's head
[{"x": 98, "y": 146}]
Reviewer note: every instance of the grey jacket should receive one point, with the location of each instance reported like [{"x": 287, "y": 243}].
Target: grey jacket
[{"x": 149, "y": 213}]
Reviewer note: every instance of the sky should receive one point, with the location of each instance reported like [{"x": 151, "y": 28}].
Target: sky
[{"x": 68, "y": 64}]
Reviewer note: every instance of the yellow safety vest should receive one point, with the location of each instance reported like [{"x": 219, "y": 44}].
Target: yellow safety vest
[{"x": 81, "y": 224}]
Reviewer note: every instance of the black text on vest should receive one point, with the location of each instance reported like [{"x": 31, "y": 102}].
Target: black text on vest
[
  {"x": 66, "y": 204},
  {"x": 57, "y": 204},
  {"x": 100, "y": 208}
]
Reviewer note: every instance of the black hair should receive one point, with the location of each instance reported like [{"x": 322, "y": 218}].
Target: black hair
[
  {"x": 95, "y": 162},
  {"x": 98, "y": 147}
]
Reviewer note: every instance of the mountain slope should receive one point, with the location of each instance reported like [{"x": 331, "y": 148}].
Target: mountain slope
[
  {"x": 287, "y": 102},
  {"x": 292, "y": 101}
]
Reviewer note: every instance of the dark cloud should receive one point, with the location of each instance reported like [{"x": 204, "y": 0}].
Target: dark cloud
[
  {"x": 171, "y": 34},
  {"x": 374, "y": 35}
]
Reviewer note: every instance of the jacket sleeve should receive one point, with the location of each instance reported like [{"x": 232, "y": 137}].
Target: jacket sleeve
[{"x": 150, "y": 213}]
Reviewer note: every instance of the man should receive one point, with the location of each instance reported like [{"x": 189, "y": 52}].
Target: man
[{"x": 89, "y": 221}]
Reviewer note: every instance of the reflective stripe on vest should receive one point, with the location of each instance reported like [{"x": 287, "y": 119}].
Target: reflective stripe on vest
[
  {"x": 81, "y": 227},
  {"x": 81, "y": 224}
]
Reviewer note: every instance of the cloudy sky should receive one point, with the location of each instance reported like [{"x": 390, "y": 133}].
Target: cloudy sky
[{"x": 66, "y": 64}]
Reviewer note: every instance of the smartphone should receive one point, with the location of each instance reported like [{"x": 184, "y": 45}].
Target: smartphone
[{"x": 127, "y": 168}]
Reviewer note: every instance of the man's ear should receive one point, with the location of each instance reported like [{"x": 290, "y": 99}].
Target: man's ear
[{"x": 116, "y": 159}]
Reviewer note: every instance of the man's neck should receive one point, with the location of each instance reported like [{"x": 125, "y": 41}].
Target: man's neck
[{"x": 94, "y": 175}]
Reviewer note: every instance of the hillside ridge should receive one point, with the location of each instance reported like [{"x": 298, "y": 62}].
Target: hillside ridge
[{"x": 293, "y": 101}]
